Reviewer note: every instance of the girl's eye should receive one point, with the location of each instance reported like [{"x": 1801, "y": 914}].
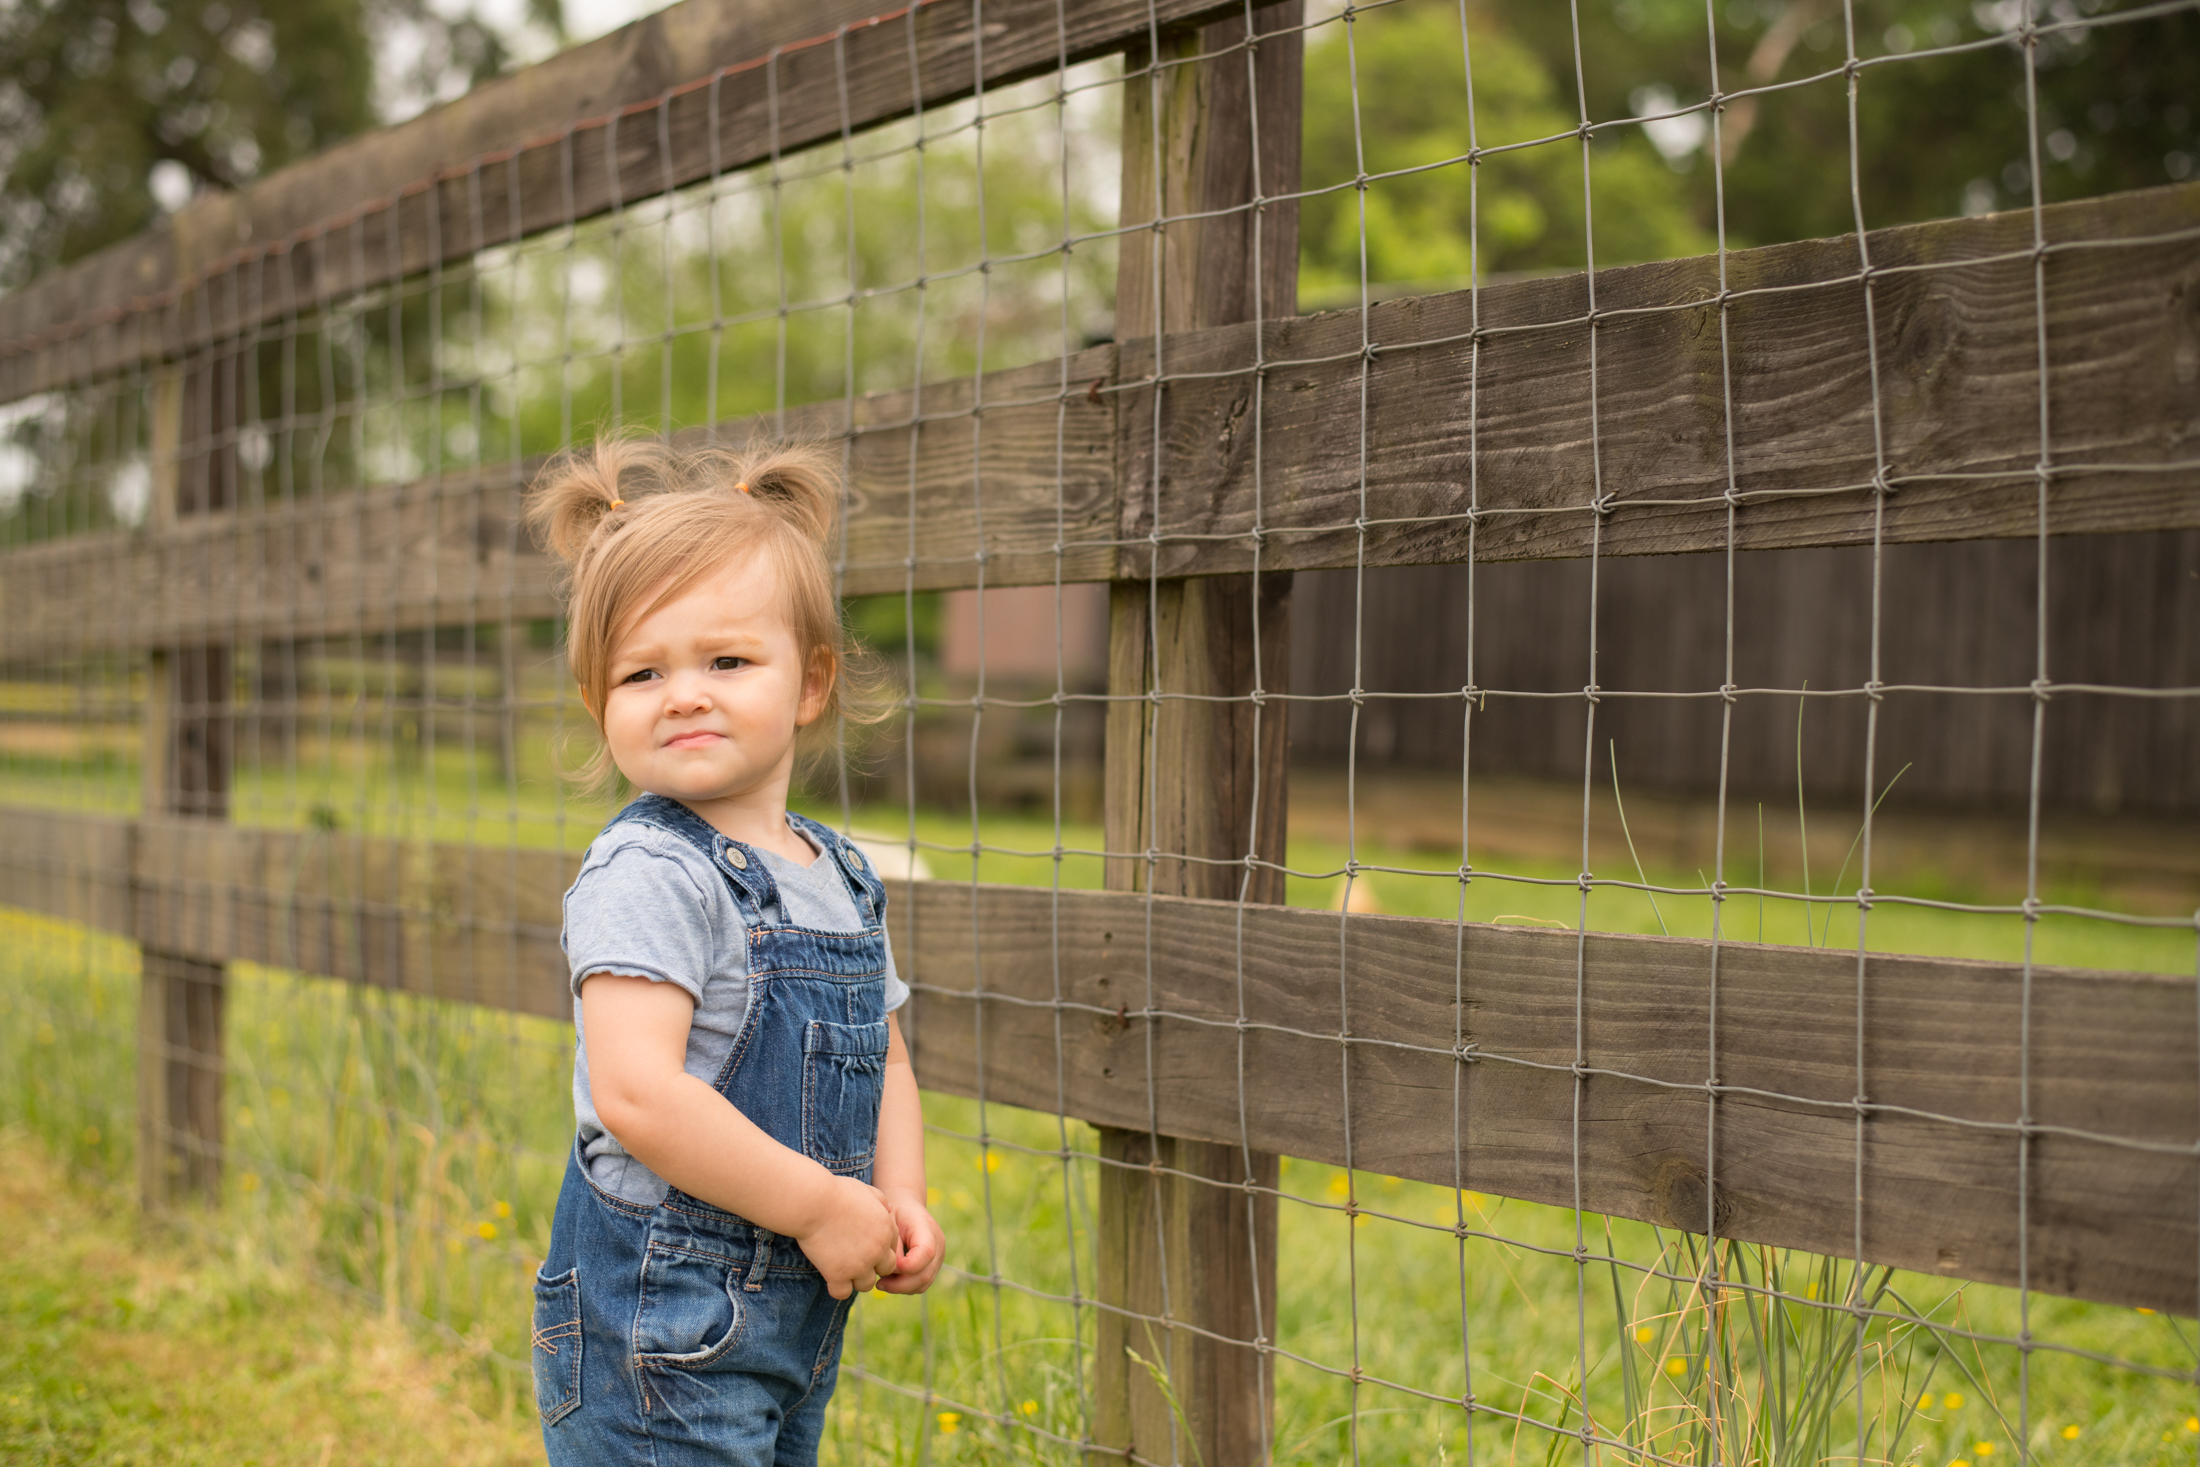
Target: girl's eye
[
  {"x": 728, "y": 664},
  {"x": 644, "y": 675}
]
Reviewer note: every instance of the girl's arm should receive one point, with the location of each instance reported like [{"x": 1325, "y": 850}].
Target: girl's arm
[
  {"x": 899, "y": 1170},
  {"x": 688, "y": 1134}
]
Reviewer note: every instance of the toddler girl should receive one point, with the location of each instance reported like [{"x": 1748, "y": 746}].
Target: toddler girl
[{"x": 749, "y": 1152}]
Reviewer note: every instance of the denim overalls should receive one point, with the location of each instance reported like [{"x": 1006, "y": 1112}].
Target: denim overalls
[{"x": 682, "y": 1334}]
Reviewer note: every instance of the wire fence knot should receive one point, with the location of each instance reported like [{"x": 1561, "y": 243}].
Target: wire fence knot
[
  {"x": 1729, "y": 693},
  {"x": 2042, "y": 690},
  {"x": 1593, "y": 693}
]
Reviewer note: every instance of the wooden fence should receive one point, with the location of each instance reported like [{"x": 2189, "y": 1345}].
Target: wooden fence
[{"x": 2016, "y": 1124}]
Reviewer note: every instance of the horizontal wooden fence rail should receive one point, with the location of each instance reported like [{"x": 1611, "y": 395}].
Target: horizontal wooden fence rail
[
  {"x": 985, "y": 477},
  {"x": 694, "y": 91},
  {"x": 1418, "y": 1048}
]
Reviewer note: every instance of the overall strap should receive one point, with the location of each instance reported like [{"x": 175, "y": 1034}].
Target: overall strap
[
  {"x": 739, "y": 864},
  {"x": 863, "y": 883}
]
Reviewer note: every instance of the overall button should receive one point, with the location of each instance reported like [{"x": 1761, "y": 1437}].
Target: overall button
[
  {"x": 737, "y": 858},
  {"x": 853, "y": 857}
]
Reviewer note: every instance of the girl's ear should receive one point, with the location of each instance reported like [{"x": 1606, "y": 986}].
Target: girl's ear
[{"x": 817, "y": 687}]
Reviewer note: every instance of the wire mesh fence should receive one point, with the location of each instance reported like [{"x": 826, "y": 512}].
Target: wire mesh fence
[{"x": 1279, "y": 1110}]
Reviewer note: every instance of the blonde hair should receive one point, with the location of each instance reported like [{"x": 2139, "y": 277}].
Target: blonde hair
[{"x": 636, "y": 523}]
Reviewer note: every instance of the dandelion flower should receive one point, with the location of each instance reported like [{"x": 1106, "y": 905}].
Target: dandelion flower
[
  {"x": 1959, "y": 1462},
  {"x": 1676, "y": 1366},
  {"x": 1644, "y": 1334},
  {"x": 1953, "y": 1400},
  {"x": 1982, "y": 1449},
  {"x": 1340, "y": 1185},
  {"x": 950, "y": 1422},
  {"x": 2192, "y": 1423},
  {"x": 992, "y": 1161},
  {"x": 2070, "y": 1432},
  {"x": 1925, "y": 1402},
  {"x": 488, "y": 1230},
  {"x": 1031, "y": 1408},
  {"x": 503, "y": 1208}
]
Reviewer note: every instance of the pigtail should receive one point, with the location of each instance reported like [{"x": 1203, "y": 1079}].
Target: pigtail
[
  {"x": 582, "y": 488},
  {"x": 797, "y": 482}
]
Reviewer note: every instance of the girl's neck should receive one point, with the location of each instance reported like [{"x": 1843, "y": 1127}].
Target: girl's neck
[{"x": 759, "y": 819}]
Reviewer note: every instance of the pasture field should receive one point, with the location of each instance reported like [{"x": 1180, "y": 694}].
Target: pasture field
[{"x": 395, "y": 1159}]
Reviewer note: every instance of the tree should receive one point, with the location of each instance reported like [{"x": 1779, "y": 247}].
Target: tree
[
  {"x": 1941, "y": 123},
  {"x": 112, "y": 109}
]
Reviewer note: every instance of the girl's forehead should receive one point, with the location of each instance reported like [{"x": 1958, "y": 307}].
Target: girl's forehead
[{"x": 743, "y": 593}]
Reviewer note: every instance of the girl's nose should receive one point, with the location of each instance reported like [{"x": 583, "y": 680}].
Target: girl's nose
[{"x": 686, "y": 693}]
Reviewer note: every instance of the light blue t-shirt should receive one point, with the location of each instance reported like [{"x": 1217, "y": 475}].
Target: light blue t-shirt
[{"x": 649, "y": 904}]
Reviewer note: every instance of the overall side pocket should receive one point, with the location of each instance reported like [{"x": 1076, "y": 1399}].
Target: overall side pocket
[
  {"x": 557, "y": 1351},
  {"x": 843, "y": 1080}
]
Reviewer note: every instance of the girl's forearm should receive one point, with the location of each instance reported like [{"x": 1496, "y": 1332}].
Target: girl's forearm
[
  {"x": 899, "y": 1167},
  {"x": 690, "y": 1135}
]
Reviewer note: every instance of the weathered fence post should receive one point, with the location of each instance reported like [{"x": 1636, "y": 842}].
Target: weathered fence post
[
  {"x": 185, "y": 772},
  {"x": 1181, "y": 1237}
]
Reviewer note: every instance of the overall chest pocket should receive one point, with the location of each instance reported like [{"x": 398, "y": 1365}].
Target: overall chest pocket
[{"x": 843, "y": 1078}]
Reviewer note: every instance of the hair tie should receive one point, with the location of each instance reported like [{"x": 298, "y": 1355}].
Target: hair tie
[
  {"x": 618, "y": 504},
  {"x": 742, "y": 485}
]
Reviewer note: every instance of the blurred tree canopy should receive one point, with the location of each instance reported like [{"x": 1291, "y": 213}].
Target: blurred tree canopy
[
  {"x": 1940, "y": 122},
  {"x": 111, "y": 109}
]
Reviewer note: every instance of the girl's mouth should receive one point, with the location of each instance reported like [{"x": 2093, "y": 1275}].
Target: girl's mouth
[{"x": 691, "y": 740}]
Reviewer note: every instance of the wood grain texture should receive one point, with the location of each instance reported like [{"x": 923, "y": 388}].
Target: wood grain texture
[
  {"x": 474, "y": 924},
  {"x": 450, "y": 550},
  {"x": 1367, "y": 1075},
  {"x": 1201, "y": 773},
  {"x": 701, "y": 88},
  {"x": 1957, "y": 384},
  {"x": 2113, "y": 1054},
  {"x": 1510, "y": 429}
]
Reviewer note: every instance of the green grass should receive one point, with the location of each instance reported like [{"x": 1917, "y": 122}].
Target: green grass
[
  {"x": 126, "y": 1345},
  {"x": 406, "y": 1151}
]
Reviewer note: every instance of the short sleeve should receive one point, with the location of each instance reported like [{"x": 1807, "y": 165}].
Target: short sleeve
[
  {"x": 637, "y": 908},
  {"x": 897, "y": 992}
]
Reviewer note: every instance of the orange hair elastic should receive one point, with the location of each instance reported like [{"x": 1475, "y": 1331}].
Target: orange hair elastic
[
  {"x": 618, "y": 503},
  {"x": 742, "y": 485}
]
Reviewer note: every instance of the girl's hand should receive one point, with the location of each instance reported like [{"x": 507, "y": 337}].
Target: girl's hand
[
  {"x": 855, "y": 1239},
  {"x": 923, "y": 1245}
]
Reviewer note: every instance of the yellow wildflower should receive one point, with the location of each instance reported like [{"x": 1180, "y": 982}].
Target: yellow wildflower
[
  {"x": 1643, "y": 1334},
  {"x": 1031, "y": 1408},
  {"x": 503, "y": 1208},
  {"x": 488, "y": 1230},
  {"x": 1953, "y": 1400},
  {"x": 1676, "y": 1366},
  {"x": 2070, "y": 1432},
  {"x": 950, "y": 1422}
]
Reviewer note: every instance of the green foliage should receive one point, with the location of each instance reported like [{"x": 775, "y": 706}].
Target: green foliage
[
  {"x": 1405, "y": 69},
  {"x": 94, "y": 93},
  {"x": 1936, "y": 134}
]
